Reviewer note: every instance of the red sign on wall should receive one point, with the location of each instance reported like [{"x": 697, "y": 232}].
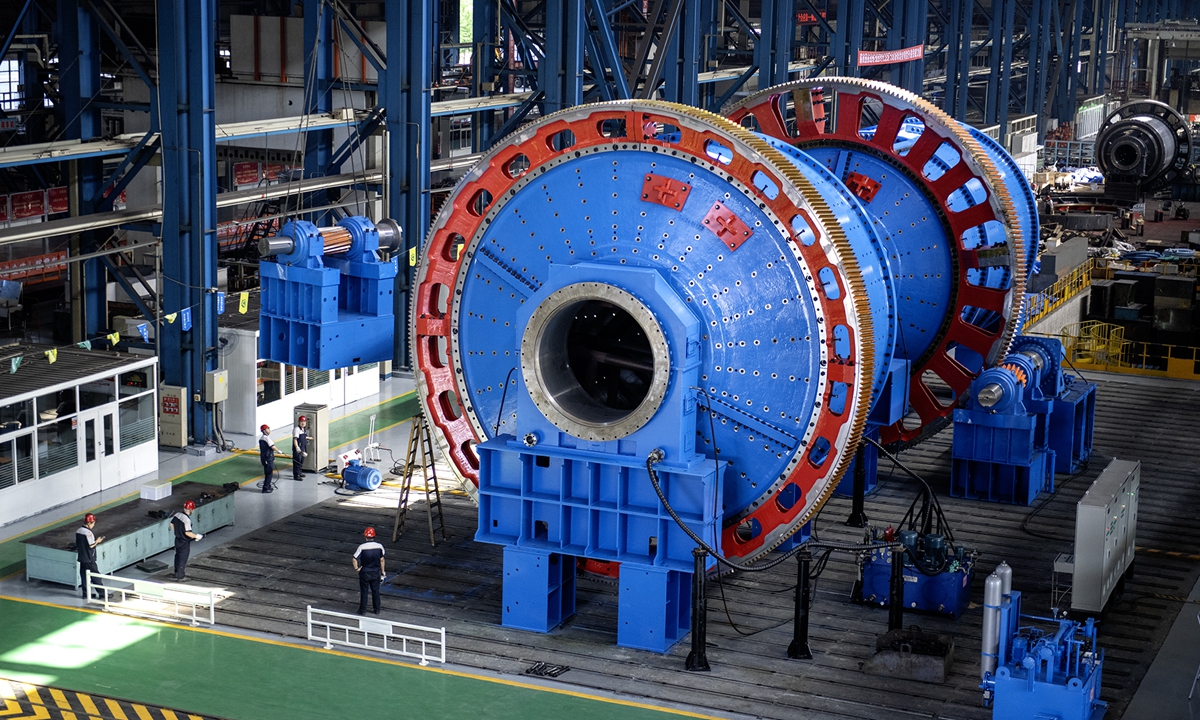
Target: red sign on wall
[
  {"x": 170, "y": 405},
  {"x": 3, "y": 208},
  {"x": 28, "y": 204},
  {"x": 245, "y": 173},
  {"x": 58, "y": 200}
]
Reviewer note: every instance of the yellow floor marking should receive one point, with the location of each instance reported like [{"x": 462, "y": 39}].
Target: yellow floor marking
[
  {"x": 68, "y": 715},
  {"x": 115, "y": 709},
  {"x": 142, "y": 712},
  {"x": 89, "y": 707},
  {"x": 59, "y": 699},
  {"x": 195, "y": 717},
  {"x": 168, "y": 714},
  {"x": 11, "y": 707},
  {"x": 31, "y": 694}
]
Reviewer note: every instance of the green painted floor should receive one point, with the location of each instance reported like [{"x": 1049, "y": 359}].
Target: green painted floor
[
  {"x": 244, "y": 679},
  {"x": 240, "y": 467}
]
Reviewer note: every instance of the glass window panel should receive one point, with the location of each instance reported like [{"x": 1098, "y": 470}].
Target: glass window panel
[
  {"x": 89, "y": 440},
  {"x": 8, "y": 474},
  {"x": 269, "y": 382},
  {"x": 56, "y": 405},
  {"x": 108, "y": 434},
  {"x": 317, "y": 378},
  {"x": 56, "y": 447},
  {"x": 15, "y": 416},
  {"x": 97, "y": 392},
  {"x": 368, "y": 366},
  {"x": 137, "y": 421},
  {"x": 136, "y": 381},
  {"x": 24, "y": 445}
]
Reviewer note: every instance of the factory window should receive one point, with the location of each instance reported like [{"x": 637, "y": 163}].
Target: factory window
[
  {"x": 10, "y": 85},
  {"x": 16, "y": 460},
  {"x": 16, "y": 416},
  {"x": 56, "y": 447},
  {"x": 97, "y": 393},
  {"x": 268, "y": 382},
  {"x": 317, "y": 378},
  {"x": 368, "y": 366},
  {"x": 135, "y": 382},
  {"x": 137, "y": 420},
  {"x": 293, "y": 379}
]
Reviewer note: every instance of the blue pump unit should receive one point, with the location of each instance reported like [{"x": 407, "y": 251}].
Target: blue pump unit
[
  {"x": 1024, "y": 420},
  {"x": 1049, "y": 670},
  {"x": 327, "y": 298},
  {"x": 361, "y": 477},
  {"x": 938, "y": 581}
]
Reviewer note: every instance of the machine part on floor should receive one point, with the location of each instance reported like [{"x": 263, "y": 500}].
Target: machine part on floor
[
  {"x": 326, "y": 296},
  {"x": 912, "y": 654},
  {"x": 937, "y": 576},
  {"x": 1038, "y": 672},
  {"x": 798, "y": 649},
  {"x": 1024, "y": 420},
  {"x": 697, "y": 659},
  {"x": 959, "y": 219},
  {"x": 1105, "y": 536},
  {"x": 361, "y": 477},
  {"x": 1143, "y": 146},
  {"x": 740, "y": 296}
]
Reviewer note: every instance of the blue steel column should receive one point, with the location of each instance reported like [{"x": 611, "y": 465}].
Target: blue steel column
[
  {"x": 1103, "y": 19},
  {"x": 848, "y": 38},
  {"x": 958, "y": 58},
  {"x": 1001, "y": 29},
  {"x": 909, "y": 24},
  {"x": 773, "y": 49},
  {"x": 681, "y": 74},
  {"x": 484, "y": 24},
  {"x": 318, "y": 84},
  {"x": 406, "y": 96},
  {"x": 79, "y": 83},
  {"x": 186, "y": 31},
  {"x": 560, "y": 73}
]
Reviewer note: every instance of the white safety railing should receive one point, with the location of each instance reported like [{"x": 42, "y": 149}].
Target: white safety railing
[
  {"x": 158, "y": 600},
  {"x": 387, "y": 636}
]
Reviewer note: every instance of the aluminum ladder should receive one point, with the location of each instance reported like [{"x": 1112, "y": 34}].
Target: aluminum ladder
[{"x": 420, "y": 456}]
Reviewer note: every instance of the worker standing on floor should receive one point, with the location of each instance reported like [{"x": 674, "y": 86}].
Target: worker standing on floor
[
  {"x": 299, "y": 448},
  {"x": 368, "y": 563},
  {"x": 266, "y": 455},
  {"x": 85, "y": 548},
  {"x": 184, "y": 537}
]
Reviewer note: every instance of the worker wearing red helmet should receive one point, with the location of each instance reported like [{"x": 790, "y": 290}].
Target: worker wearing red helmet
[
  {"x": 85, "y": 549},
  {"x": 299, "y": 447},
  {"x": 266, "y": 456},
  {"x": 184, "y": 537},
  {"x": 368, "y": 563}
]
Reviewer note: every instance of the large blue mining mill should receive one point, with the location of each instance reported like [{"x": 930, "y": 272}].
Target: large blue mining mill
[
  {"x": 640, "y": 327},
  {"x": 1023, "y": 420},
  {"x": 327, "y": 297}
]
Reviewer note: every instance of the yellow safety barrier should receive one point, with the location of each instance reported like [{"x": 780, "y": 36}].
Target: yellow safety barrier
[
  {"x": 1052, "y": 298},
  {"x": 1102, "y": 346}
]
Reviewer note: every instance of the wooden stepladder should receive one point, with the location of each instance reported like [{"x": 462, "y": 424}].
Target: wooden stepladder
[{"x": 420, "y": 457}]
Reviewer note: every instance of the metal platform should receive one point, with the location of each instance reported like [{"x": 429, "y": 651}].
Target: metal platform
[{"x": 278, "y": 570}]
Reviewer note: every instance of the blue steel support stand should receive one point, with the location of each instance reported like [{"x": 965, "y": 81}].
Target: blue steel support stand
[
  {"x": 405, "y": 90},
  {"x": 79, "y": 83},
  {"x": 186, "y": 30}
]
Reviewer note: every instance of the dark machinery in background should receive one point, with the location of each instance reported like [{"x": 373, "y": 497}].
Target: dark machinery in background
[
  {"x": 642, "y": 328},
  {"x": 1145, "y": 146}
]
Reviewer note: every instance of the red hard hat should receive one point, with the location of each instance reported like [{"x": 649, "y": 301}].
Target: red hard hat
[
  {"x": 264, "y": 428},
  {"x": 89, "y": 518},
  {"x": 189, "y": 505},
  {"x": 369, "y": 532},
  {"x": 302, "y": 419}
]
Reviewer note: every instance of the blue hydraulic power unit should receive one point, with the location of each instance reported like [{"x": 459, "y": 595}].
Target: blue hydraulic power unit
[
  {"x": 939, "y": 581},
  {"x": 1032, "y": 672},
  {"x": 327, "y": 298},
  {"x": 1023, "y": 420}
]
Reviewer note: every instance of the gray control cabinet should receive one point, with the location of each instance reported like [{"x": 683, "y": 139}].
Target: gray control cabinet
[
  {"x": 130, "y": 534},
  {"x": 1105, "y": 534}
]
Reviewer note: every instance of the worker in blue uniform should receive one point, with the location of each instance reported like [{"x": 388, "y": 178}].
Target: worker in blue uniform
[
  {"x": 266, "y": 456},
  {"x": 368, "y": 563},
  {"x": 184, "y": 537},
  {"x": 299, "y": 447},
  {"x": 85, "y": 548}
]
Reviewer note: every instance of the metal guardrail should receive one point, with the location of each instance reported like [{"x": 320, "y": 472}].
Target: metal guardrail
[
  {"x": 386, "y": 636},
  {"x": 168, "y": 601},
  {"x": 1039, "y": 305},
  {"x": 1102, "y": 346}
]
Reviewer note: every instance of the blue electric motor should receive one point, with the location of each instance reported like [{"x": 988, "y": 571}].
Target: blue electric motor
[{"x": 360, "y": 477}]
